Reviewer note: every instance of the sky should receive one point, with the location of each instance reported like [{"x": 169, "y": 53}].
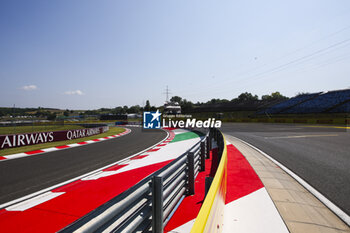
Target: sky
[{"x": 83, "y": 54}]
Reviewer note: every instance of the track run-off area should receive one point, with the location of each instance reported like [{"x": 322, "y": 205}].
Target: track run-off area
[{"x": 318, "y": 154}]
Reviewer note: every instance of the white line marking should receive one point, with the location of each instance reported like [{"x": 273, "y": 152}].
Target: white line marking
[
  {"x": 100, "y": 175},
  {"x": 304, "y": 136},
  {"x": 92, "y": 175},
  {"x": 341, "y": 214},
  {"x": 77, "y": 178},
  {"x": 22, "y": 206}
]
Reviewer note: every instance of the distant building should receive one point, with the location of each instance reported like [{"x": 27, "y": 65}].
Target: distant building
[{"x": 172, "y": 108}]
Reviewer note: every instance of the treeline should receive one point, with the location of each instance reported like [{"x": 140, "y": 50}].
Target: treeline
[
  {"x": 33, "y": 112},
  {"x": 122, "y": 110},
  {"x": 15, "y": 111},
  {"x": 245, "y": 101}
]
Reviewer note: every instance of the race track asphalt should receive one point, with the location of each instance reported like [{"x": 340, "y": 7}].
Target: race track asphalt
[
  {"x": 320, "y": 155},
  {"x": 23, "y": 176}
]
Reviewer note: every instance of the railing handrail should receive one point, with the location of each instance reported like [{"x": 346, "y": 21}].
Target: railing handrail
[{"x": 103, "y": 215}]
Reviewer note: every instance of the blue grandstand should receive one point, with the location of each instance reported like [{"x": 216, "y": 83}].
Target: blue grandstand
[
  {"x": 321, "y": 103},
  {"x": 277, "y": 108},
  {"x": 327, "y": 102},
  {"x": 343, "y": 108}
]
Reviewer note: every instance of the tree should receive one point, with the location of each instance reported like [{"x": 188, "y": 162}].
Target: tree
[
  {"x": 66, "y": 113},
  {"x": 134, "y": 109},
  {"x": 176, "y": 99},
  {"x": 147, "y": 106},
  {"x": 125, "y": 109},
  {"x": 274, "y": 96},
  {"x": 213, "y": 101},
  {"x": 247, "y": 97},
  {"x": 51, "y": 116},
  {"x": 186, "y": 106},
  {"x": 38, "y": 113},
  {"x": 118, "y": 110}
]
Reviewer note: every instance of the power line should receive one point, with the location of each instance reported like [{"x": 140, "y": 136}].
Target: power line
[
  {"x": 299, "y": 59},
  {"x": 283, "y": 66},
  {"x": 280, "y": 67}
]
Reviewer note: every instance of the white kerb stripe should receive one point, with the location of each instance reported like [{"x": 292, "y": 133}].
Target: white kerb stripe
[
  {"x": 74, "y": 145},
  {"x": 100, "y": 175},
  {"x": 50, "y": 149},
  {"x": 90, "y": 141},
  {"x": 34, "y": 201},
  {"x": 19, "y": 155}
]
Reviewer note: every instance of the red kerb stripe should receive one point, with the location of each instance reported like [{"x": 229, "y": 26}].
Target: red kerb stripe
[
  {"x": 138, "y": 157},
  {"x": 62, "y": 147},
  {"x": 152, "y": 150},
  {"x": 34, "y": 152},
  {"x": 82, "y": 143}
]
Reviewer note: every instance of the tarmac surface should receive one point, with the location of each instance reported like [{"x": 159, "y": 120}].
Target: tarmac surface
[
  {"x": 19, "y": 177},
  {"x": 318, "y": 154}
]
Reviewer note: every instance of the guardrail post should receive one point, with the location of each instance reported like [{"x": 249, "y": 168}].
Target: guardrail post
[
  {"x": 202, "y": 156},
  {"x": 157, "y": 204},
  {"x": 208, "y": 142},
  {"x": 190, "y": 164},
  {"x": 220, "y": 144},
  {"x": 215, "y": 133}
]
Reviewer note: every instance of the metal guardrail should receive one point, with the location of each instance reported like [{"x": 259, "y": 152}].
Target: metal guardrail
[{"x": 149, "y": 205}]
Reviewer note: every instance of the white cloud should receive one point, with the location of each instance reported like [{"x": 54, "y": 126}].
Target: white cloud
[
  {"x": 29, "y": 87},
  {"x": 76, "y": 92}
]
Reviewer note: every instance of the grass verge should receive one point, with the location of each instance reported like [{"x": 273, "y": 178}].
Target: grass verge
[{"x": 111, "y": 131}]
